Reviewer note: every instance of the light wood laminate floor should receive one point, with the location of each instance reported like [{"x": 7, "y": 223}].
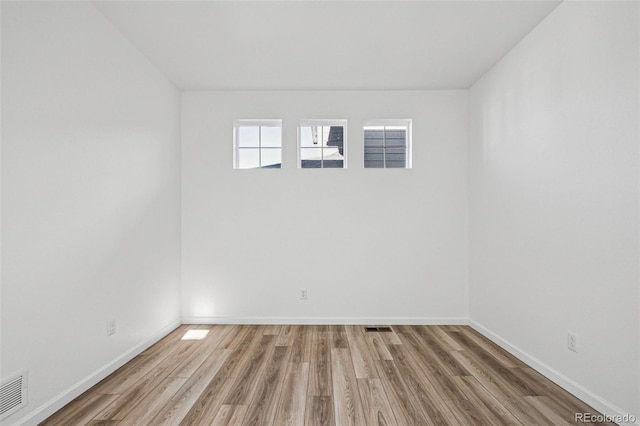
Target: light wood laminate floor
[{"x": 323, "y": 375}]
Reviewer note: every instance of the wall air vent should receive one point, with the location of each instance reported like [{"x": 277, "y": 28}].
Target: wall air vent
[{"x": 13, "y": 394}]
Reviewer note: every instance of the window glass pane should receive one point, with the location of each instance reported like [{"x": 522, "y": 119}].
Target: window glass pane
[
  {"x": 311, "y": 158},
  {"x": 333, "y": 164},
  {"x": 331, "y": 153},
  {"x": 271, "y": 158},
  {"x": 311, "y": 164},
  {"x": 373, "y": 136},
  {"x": 373, "y": 157},
  {"x": 332, "y": 157},
  {"x": 374, "y": 164},
  {"x": 396, "y": 137},
  {"x": 335, "y": 138},
  {"x": 373, "y": 153},
  {"x": 306, "y": 136},
  {"x": 271, "y": 136},
  {"x": 248, "y": 136},
  {"x": 396, "y": 151},
  {"x": 395, "y": 164},
  {"x": 310, "y": 153},
  {"x": 248, "y": 158},
  {"x": 396, "y": 157}
]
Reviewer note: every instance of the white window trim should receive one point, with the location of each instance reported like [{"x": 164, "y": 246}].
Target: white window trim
[
  {"x": 270, "y": 122},
  {"x": 323, "y": 122},
  {"x": 404, "y": 122}
]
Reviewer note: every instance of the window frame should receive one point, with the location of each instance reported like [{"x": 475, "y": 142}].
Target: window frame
[
  {"x": 260, "y": 123},
  {"x": 323, "y": 122},
  {"x": 407, "y": 123}
]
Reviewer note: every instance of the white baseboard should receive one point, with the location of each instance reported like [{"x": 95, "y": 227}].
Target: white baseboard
[
  {"x": 325, "y": 320},
  {"x": 59, "y": 401},
  {"x": 592, "y": 399}
]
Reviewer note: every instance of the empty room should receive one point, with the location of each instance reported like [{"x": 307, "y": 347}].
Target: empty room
[{"x": 173, "y": 251}]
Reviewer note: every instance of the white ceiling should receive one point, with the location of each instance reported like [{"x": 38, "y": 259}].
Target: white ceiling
[{"x": 325, "y": 45}]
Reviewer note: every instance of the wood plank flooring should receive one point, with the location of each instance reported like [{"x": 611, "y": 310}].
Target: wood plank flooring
[{"x": 323, "y": 375}]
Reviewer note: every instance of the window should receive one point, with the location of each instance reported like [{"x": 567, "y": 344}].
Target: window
[
  {"x": 257, "y": 144},
  {"x": 387, "y": 144},
  {"x": 322, "y": 144}
]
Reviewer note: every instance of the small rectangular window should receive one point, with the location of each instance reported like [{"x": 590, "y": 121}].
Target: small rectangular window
[
  {"x": 322, "y": 144},
  {"x": 257, "y": 144},
  {"x": 387, "y": 144}
]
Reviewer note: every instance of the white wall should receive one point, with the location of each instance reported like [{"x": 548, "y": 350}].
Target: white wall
[
  {"x": 554, "y": 201},
  {"x": 90, "y": 199},
  {"x": 374, "y": 244}
]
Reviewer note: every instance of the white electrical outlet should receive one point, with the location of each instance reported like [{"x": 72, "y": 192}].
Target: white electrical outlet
[
  {"x": 111, "y": 327},
  {"x": 572, "y": 342},
  {"x": 303, "y": 294}
]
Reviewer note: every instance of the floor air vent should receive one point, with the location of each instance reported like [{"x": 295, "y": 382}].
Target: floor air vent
[
  {"x": 13, "y": 394},
  {"x": 377, "y": 329}
]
